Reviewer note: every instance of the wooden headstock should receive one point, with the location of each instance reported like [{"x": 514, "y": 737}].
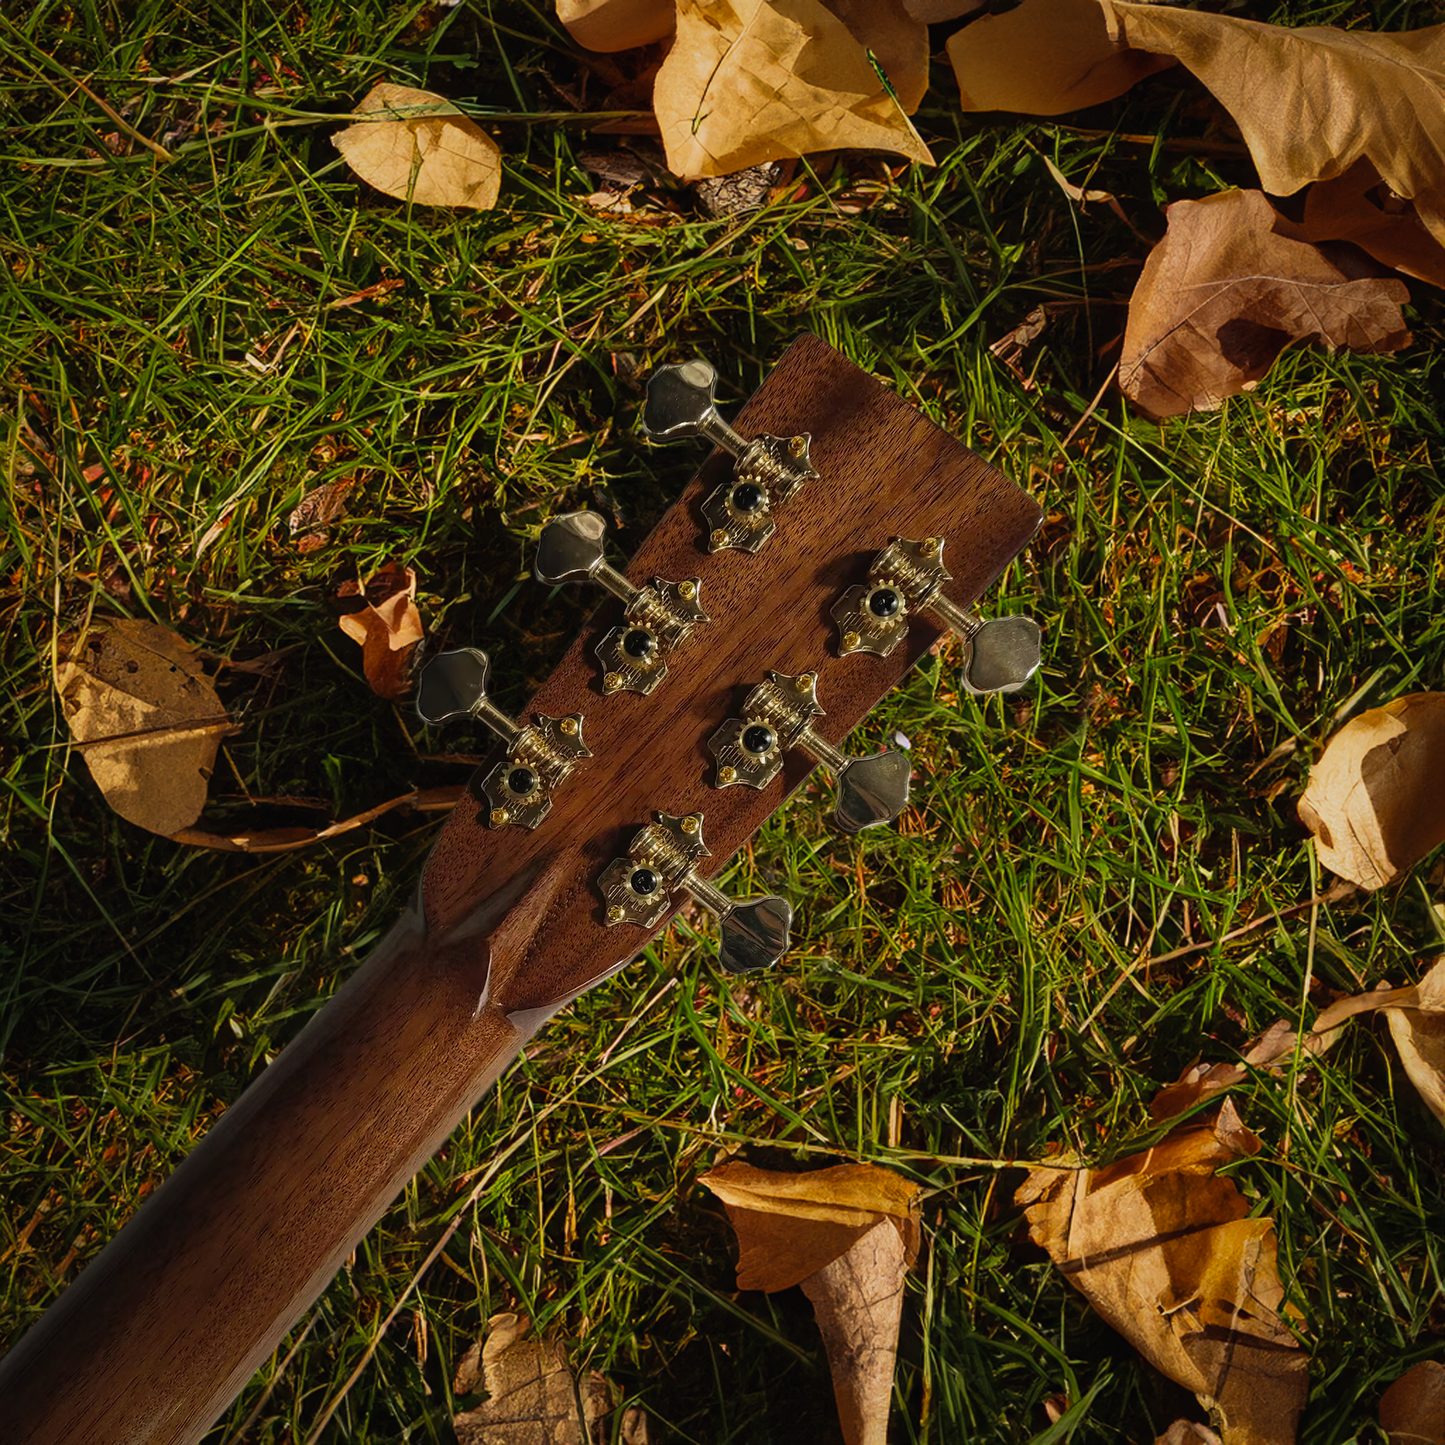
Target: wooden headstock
[
  {"x": 883, "y": 471},
  {"x": 162, "y": 1330}
]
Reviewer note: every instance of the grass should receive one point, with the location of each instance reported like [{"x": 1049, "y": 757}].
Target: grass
[{"x": 974, "y": 990}]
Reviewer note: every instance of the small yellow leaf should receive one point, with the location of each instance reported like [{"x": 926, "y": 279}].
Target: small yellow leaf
[
  {"x": 422, "y": 149},
  {"x": 750, "y": 81},
  {"x": 1376, "y": 798},
  {"x": 388, "y": 628},
  {"x": 148, "y": 721},
  {"x": 847, "y": 1235},
  {"x": 610, "y": 25}
]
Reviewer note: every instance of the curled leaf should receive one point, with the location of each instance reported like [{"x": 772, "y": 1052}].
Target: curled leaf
[
  {"x": 1312, "y": 101},
  {"x": 1044, "y": 58},
  {"x": 1376, "y": 798},
  {"x": 387, "y": 626},
  {"x": 147, "y": 720},
  {"x": 750, "y": 81},
  {"x": 422, "y": 149},
  {"x": 1163, "y": 1249},
  {"x": 848, "y": 1235},
  {"x": 1226, "y": 290},
  {"x": 1360, "y": 208}
]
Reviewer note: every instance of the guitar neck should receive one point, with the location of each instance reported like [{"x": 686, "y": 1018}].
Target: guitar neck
[{"x": 161, "y": 1332}]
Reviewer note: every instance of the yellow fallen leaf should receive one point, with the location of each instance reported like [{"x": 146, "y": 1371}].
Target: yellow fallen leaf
[
  {"x": 1412, "y": 1410},
  {"x": 848, "y": 1235},
  {"x": 388, "y": 628},
  {"x": 422, "y": 149},
  {"x": 897, "y": 39},
  {"x": 749, "y": 81},
  {"x": 1226, "y": 290},
  {"x": 1044, "y": 58},
  {"x": 1163, "y": 1249},
  {"x": 1312, "y": 101},
  {"x": 148, "y": 721},
  {"x": 1376, "y": 798},
  {"x": 611, "y": 25},
  {"x": 932, "y": 11}
]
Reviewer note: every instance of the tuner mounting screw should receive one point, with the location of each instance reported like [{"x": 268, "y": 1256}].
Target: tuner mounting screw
[
  {"x": 778, "y": 715},
  {"x": 663, "y": 859},
  {"x": 851, "y": 641},
  {"x": 611, "y": 682},
  {"x": 798, "y": 446},
  {"x": 719, "y": 539},
  {"x": 687, "y": 590},
  {"x": 539, "y": 756}
]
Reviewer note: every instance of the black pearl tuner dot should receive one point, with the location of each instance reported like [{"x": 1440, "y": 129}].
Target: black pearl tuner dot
[
  {"x": 643, "y": 882},
  {"x": 758, "y": 739},
  {"x": 639, "y": 644},
  {"x": 884, "y": 602},
  {"x": 747, "y": 498},
  {"x": 522, "y": 782}
]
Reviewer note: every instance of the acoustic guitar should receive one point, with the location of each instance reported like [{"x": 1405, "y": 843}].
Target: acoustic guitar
[{"x": 829, "y": 540}]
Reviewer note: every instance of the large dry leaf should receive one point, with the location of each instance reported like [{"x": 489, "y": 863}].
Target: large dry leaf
[
  {"x": 1376, "y": 799},
  {"x": 848, "y": 1235},
  {"x": 1044, "y": 58},
  {"x": 898, "y": 40},
  {"x": 1312, "y": 101},
  {"x": 388, "y": 628},
  {"x": 932, "y": 11},
  {"x": 534, "y": 1396},
  {"x": 1226, "y": 290},
  {"x": 1360, "y": 208},
  {"x": 1161, "y": 1247},
  {"x": 148, "y": 721},
  {"x": 616, "y": 24},
  {"x": 1412, "y": 1410},
  {"x": 423, "y": 150},
  {"x": 749, "y": 81}
]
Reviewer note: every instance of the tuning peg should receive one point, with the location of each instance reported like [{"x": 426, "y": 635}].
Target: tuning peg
[
  {"x": 1001, "y": 653},
  {"x": 662, "y": 860},
  {"x": 769, "y": 469},
  {"x": 540, "y": 755},
  {"x": 777, "y": 716},
  {"x": 659, "y": 616}
]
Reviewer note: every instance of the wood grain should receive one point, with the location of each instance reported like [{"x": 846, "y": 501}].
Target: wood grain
[
  {"x": 886, "y": 471},
  {"x": 167, "y": 1324}
]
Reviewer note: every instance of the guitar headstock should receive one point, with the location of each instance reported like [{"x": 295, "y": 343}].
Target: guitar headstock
[{"x": 792, "y": 585}]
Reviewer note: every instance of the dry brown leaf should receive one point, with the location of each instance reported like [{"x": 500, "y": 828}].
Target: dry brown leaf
[
  {"x": 899, "y": 43},
  {"x": 1312, "y": 101},
  {"x": 1226, "y": 290},
  {"x": 1044, "y": 58},
  {"x": 388, "y": 628},
  {"x": 148, "y": 721},
  {"x": 534, "y": 1395},
  {"x": 1412, "y": 1410},
  {"x": 848, "y": 1235},
  {"x": 749, "y": 81},
  {"x": 1376, "y": 798},
  {"x": 1359, "y": 207},
  {"x": 1161, "y": 1247},
  {"x": 1188, "y": 1432},
  {"x": 424, "y": 150},
  {"x": 611, "y": 25},
  {"x": 930, "y": 12}
]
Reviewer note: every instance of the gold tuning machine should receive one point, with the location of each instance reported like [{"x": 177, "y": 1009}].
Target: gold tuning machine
[
  {"x": 1002, "y": 653},
  {"x": 769, "y": 469},
  {"x": 777, "y": 716},
  {"x": 662, "y": 860},
  {"x": 659, "y": 616},
  {"x": 539, "y": 755}
]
